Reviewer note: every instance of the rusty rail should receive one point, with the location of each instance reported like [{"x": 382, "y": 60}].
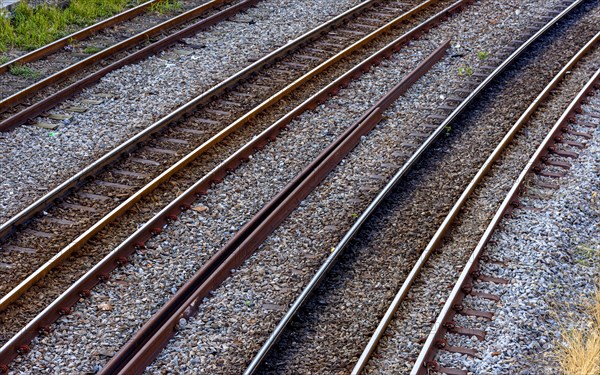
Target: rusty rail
[
  {"x": 435, "y": 340},
  {"x": 156, "y": 333},
  {"x": 438, "y": 237},
  {"x": 78, "y": 179},
  {"x": 62, "y": 305},
  {"x": 128, "y": 43},
  {"x": 164, "y": 176},
  {"x": 52, "y": 100},
  {"x": 79, "y": 35}
]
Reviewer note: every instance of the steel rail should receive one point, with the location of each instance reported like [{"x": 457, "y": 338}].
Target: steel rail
[
  {"x": 406, "y": 167},
  {"x": 128, "y": 43},
  {"x": 438, "y": 237},
  {"x": 76, "y": 244},
  {"x": 41, "y": 324},
  {"x": 438, "y": 331},
  {"x": 52, "y": 100},
  {"x": 156, "y": 333},
  {"x": 78, "y": 35},
  {"x": 128, "y": 146},
  {"x": 274, "y": 337}
]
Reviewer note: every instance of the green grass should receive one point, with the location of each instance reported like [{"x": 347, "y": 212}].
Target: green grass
[
  {"x": 4, "y": 59},
  {"x": 165, "y": 6},
  {"x": 92, "y": 49},
  {"x": 24, "y": 71},
  {"x": 30, "y": 28},
  {"x": 465, "y": 71},
  {"x": 482, "y": 55},
  {"x": 448, "y": 130}
]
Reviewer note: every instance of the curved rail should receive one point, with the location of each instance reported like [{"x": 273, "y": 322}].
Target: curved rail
[
  {"x": 156, "y": 333},
  {"x": 78, "y": 35},
  {"x": 361, "y": 220},
  {"x": 425, "y": 361},
  {"x": 164, "y": 176},
  {"x": 100, "y": 272},
  {"x": 438, "y": 237}
]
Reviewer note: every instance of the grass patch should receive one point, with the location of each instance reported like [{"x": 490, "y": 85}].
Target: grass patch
[
  {"x": 4, "y": 59},
  {"x": 579, "y": 353},
  {"x": 29, "y": 28},
  {"x": 24, "y": 71},
  {"x": 165, "y": 6},
  {"x": 465, "y": 71},
  {"x": 482, "y": 55},
  {"x": 586, "y": 254},
  {"x": 92, "y": 49}
]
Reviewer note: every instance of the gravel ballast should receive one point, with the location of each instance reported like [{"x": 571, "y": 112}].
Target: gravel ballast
[
  {"x": 446, "y": 263},
  {"x": 228, "y": 207},
  {"x": 62, "y": 236},
  {"x": 224, "y": 345},
  {"x": 17, "y": 315},
  {"x": 246, "y": 293},
  {"x": 549, "y": 252},
  {"x": 34, "y": 160},
  {"x": 50, "y": 287},
  {"x": 337, "y": 323}
]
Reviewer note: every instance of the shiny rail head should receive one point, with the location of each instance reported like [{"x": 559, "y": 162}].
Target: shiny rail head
[
  {"x": 101, "y": 270},
  {"x": 439, "y": 329}
]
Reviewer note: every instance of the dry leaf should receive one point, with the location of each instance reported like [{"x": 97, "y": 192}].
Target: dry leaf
[
  {"x": 105, "y": 306},
  {"x": 200, "y": 208}
]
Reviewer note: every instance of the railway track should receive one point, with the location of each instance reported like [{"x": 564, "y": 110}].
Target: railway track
[
  {"x": 157, "y": 225},
  {"x": 43, "y": 325},
  {"x": 474, "y": 209},
  {"x": 322, "y": 307},
  {"x": 24, "y": 101},
  {"x": 551, "y": 160},
  {"x": 147, "y": 343},
  {"x": 148, "y": 153},
  {"x": 571, "y": 203}
]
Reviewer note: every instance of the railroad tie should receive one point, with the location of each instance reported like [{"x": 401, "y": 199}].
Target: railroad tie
[
  {"x": 19, "y": 249},
  {"x": 78, "y": 207}
]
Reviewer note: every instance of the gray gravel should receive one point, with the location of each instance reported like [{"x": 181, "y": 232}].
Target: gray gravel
[
  {"x": 224, "y": 342},
  {"x": 550, "y": 252},
  {"x": 447, "y": 262},
  {"x": 221, "y": 337},
  {"x": 50, "y": 287},
  {"x": 338, "y": 321},
  {"x": 34, "y": 160},
  {"x": 23, "y": 266},
  {"x": 229, "y": 206}
]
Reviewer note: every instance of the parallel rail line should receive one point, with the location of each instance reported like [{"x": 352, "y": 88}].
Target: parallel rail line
[
  {"x": 438, "y": 237},
  {"x": 128, "y": 146},
  {"x": 41, "y": 324},
  {"x": 147, "y": 343},
  {"x": 52, "y": 100},
  {"x": 321, "y": 274},
  {"x": 63, "y": 190},
  {"x": 444, "y": 323}
]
